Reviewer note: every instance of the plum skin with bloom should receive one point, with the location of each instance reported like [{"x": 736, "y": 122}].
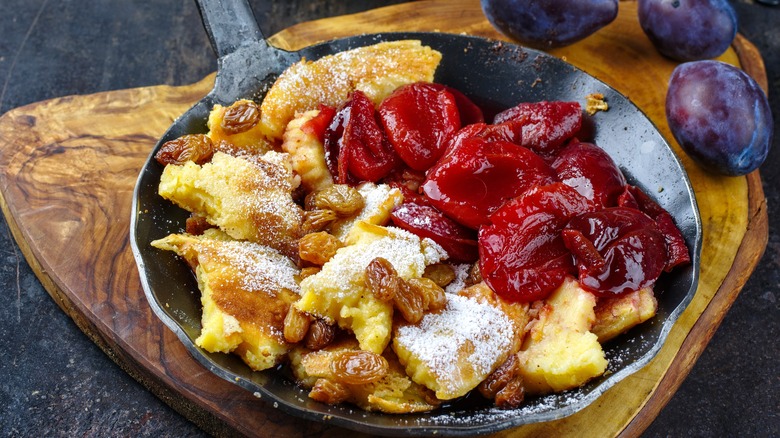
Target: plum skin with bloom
[
  {"x": 549, "y": 23},
  {"x": 688, "y": 30},
  {"x": 720, "y": 116}
]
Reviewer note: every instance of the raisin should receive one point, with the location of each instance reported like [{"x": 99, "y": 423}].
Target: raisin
[
  {"x": 344, "y": 200},
  {"x": 328, "y": 391},
  {"x": 240, "y": 117},
  {"x": 499, "y": 378},
  {"x": 320, "y": 334},
  {"x": 382, "y": 279},
  {"x": 505, "y": 385},
  {"x": 409, "y": 301},
  {"x": 511, "y": 395},
  {"x": 433, "y": 296},
  {"x": 358, "y": 367},
  {"x": 475, "y": 275},
  {"x": 441, "y": 273},
  {"x": 318, "y": 247},
  {"x": 296, "y": 325},
  {"x": 317, "y": 220},
  {"x": 197, "y": 148}
]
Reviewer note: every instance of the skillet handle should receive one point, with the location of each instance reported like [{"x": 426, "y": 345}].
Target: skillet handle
[
  {"x": 229, "y": 25},
  {"x": 246, "y": 63}
]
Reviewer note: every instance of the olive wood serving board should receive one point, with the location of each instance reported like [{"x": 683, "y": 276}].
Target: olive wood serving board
[{"x": 70, "y": 166}]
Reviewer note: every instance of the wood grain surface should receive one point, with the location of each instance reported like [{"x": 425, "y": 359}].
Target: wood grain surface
[{"x": 70, "y": 165}]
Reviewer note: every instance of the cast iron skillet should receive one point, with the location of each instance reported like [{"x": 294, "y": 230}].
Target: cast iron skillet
[{"x": 495, "y": 75}]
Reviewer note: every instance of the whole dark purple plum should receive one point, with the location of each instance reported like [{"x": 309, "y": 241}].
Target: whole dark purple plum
[
  {"x": 719, "y": 116},
  {"x": 688, "y": 30},
  {"x": 549, "y": 23}
]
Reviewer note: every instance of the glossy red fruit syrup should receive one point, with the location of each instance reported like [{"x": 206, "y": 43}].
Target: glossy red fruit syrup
[
  {"x": 521, "y": 252},
  {"x": 355, "y": 145},
  {"x": 617, "y": 250},
  {"x": 419, "y": 120},
  {"x": 511, "y": 132},
  {"x": 426, "y": 221},
  {"x": 546, "y": 125},
  {"x": 523, "y": 196},
  {"x": 480, "y": 175},
  {"x": 469, "y": 112},
  {"x": 590, "y": 171},
  {"x": 677, "y": 253}
]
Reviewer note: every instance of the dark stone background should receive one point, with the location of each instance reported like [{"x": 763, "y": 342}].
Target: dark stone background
[{"x": 56, "y": 382}]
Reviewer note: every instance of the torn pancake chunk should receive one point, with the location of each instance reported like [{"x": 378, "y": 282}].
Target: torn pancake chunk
[
  {"x": 307, "y": 153},
  {"x": 338, "y": 292},
  {"x": 249, "y": 199},
  {"x": 452, "y": 351},
  {"x": 246, "y": 291},
  {"x": 377, "y": 70},
  {"x": 560, "y": 352}
]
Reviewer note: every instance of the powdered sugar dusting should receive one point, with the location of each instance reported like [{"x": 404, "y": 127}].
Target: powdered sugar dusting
[
  {"x": 248, "y": 199},
  {"x": 376, "y": 70},
  {"x": 345, "y": 271},
  {"x": 631, "y": 348},
  {"x": 265, "y": 199},
  {"x": 375, "y": 196},
  {"x": 459, "y": 283},
  {"x": 433, "y": 252},
  {"x": 494, "y": 415},
  {"x": 260, "y": 269},
  {"x": 440, "y": 339}
]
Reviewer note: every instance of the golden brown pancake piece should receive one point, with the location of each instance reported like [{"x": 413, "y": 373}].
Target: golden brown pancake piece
[
  {"x": 246, "y": 291},
  {"x": 249, "y": 199},
  {"x": 377, "y": 70}
]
